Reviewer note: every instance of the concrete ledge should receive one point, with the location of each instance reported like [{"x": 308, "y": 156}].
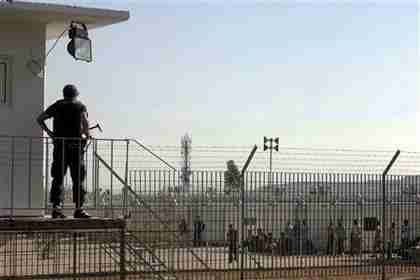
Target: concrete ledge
[{"x": 68, "y": 224}]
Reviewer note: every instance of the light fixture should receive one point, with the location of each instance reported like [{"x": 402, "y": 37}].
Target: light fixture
[{"x": 80, "y": 46}]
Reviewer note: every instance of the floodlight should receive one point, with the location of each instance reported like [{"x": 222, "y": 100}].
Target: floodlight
[{"x": 80, "y": 46}]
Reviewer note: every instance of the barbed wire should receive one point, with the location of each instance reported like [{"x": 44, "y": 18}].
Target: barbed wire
[{"x": 296, "y": 159}]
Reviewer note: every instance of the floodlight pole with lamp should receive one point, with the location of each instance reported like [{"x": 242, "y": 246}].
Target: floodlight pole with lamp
[{"x": 271, "y": 147}]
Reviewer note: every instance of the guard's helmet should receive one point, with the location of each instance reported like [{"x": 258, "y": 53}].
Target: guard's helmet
[{"x": 70, "y": 91}]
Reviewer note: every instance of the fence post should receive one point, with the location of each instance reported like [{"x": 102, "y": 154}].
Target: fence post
[
  {"x": 94, "y": 164},
  {"x": 74, "y": 255},
  {"x": 248, "y": 161},
  {"x": 47, "y": 172},
  {"x": 12, "y": 177},
  {"x": 123, "y": 271},
  {"x": 384, "y": 230},
  {"x": 30, "y": 173},
  {"x": 125, "y": 194}
]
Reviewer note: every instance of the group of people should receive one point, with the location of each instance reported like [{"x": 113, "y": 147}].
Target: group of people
[
  {"x": 337, "y": 237},
  {"x": 296, "y": 240},
  {"x": 407, "y": 239},
  {"x": 259, "y": 242},
  {"x": 198, "y": 228}
]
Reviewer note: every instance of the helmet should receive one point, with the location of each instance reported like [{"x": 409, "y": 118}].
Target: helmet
[{"x": 70, "y": 91}]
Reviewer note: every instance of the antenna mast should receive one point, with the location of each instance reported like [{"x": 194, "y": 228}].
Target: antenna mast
[{"x": 186, "y": 162}]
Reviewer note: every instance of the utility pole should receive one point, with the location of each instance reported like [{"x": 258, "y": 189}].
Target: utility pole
[
  {"x": 186, "y": 162},
  {"x": 271, "y": 144},
  {"x": 271, "y": 147}
]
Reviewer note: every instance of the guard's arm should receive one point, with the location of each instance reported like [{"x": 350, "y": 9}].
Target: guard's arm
[
  {"x": 41, "y": 121},
  {"x": 85, "y": 125}
]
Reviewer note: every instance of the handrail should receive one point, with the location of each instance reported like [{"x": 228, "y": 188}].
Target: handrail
[
  {"x": 153, "y": 154},
  {"x": 134, "y": 266},
  {"x": 147, "y": 207}
]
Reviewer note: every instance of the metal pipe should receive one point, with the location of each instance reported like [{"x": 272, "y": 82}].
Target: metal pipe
[
  {"x": 12, "y": 177},
  {"x": 125, "y": 202},
  {"x": 245, "y": 167},
  {"x": 390, "y": 164},
  {"x": 112, "y": 166},
  {"x": 123, "y": 254},
  {"x": 96, "y": 164},
  {"x": 93, "y": 172},
  {"x": 30, "y": 173},
  {"x": 46, "y": 174},
  {"x": 153, "y": 154}
]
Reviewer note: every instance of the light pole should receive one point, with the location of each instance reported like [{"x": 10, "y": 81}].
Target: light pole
[
  {"x": 271, "y": 147},
  {"x": 268, "y": 145}
]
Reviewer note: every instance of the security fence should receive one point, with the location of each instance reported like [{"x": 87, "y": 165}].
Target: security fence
[
  {"x": 316, "y": 213},
  {"x": 294, "y": 223}
]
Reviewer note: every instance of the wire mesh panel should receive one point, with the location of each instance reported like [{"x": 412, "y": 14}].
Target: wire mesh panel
[
  {"x": 298, "y": 224},
  {"x": 57, "y": 254}
]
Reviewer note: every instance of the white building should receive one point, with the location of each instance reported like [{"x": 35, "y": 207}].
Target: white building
[{"x": 24, "y": 30}]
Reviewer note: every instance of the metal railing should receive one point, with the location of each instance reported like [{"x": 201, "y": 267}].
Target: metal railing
[{"x": 31, "y": 250}]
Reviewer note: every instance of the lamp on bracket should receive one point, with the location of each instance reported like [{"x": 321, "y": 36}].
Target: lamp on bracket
[{"x": 80, "y": 46}]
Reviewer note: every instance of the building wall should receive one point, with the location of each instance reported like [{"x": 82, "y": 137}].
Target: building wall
[
  {"x": 20, "y": 41},
  {"x": 21, "y": 158}
]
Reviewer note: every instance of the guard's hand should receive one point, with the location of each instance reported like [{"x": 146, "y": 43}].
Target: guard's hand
[
  {"x": 50, "y": 133},
  {"x": 86, "y": 137}
]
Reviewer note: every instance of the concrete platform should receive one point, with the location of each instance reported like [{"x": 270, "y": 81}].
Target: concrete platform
[{"x": 47, "y": 223}]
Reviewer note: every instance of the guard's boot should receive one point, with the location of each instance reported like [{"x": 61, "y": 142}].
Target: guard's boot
[
  {"x": 57, "y": 214},
  {"x": 81, "y": 214}
]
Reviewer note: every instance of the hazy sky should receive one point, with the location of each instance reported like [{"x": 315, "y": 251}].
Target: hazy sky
[{"x": 314, "y": 73}]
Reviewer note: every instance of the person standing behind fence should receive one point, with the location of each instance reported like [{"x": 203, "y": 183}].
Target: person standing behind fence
[
  {"x": 261, "y": 239},
  {"x": 392, "y": 238},
  {"x": 183, "y": 231},
  {"x": 282, "y": 244},
  {"x": 251, "y": 241},
  {"x": 377, "y": 242},
  {"x": 199, "y": 227},
  {"x": 356, "y": 238},
  {"x": 232, "y": 239},
  {"x": 331, "y": 237},
  {"x": 297, "y": 237},
  {"x": 341, "y": 237},
  {"x": 289, "y": 231},
  {"x": 69, "y": 121},
  {"x": 306, "y": 240},
  {"x": 405, "y": 237}
]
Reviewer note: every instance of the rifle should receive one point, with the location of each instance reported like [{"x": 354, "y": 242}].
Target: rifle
[{"x": 87, "y": 141}]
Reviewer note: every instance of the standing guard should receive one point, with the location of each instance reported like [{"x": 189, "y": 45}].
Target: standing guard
[{"x": 70, "y": 131}]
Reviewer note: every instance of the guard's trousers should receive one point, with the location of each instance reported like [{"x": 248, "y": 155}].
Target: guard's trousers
[{"x": 68, "y": 154}]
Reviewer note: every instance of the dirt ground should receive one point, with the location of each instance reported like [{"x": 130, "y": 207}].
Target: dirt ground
[{"x": 260, "y": 275}]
